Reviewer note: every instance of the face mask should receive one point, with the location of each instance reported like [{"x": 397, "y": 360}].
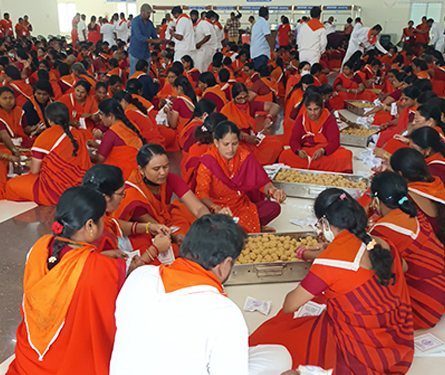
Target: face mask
[
  {"x": 242, "y": 106},
  {"x": 327, "y": 233},
  {"x": 149, "y": 183},
  {"x": 305, "y": 72}
]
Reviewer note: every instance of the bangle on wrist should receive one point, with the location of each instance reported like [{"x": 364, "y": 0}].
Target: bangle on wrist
[
  {"x": 149, "y": 254},
  {"x": 213, "y": 208},
  {"x": 269, "y": 116},
  {"x": 146, "y": 228},
  {"x": 299, "y": 253},
  {"x": 133, "y": 228},
  {"x": 157, "y": 252}
]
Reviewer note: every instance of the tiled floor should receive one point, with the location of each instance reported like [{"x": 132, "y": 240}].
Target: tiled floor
[{"x": 21, "y": 224}]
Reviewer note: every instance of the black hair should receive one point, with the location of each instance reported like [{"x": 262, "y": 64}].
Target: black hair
[
  {"x": 250, "y": 65},
  {"x": 306, "y": 79},
  {"x": 112, "y": 106},
  {"x": 188, "y": 60},
  {"x": 147, "y": 152},
  {"x": 426, "y": 96},
  {"x": 427, "y": 137},
  {"x": 64, "y": 69},
  {"x": 101, "y": 84},
  {"x": 114, "y": 79},
  {"x": 211, "y": 239},
  {"x": 349, "y": 64},
  {"x": 316, "y": 68},
  {"x": 85, "y": 84},
  {"x": 183, "y": 82},
  {"x": 420, "y": 64},
  {"x": 224, "y": 128},
  {"x": 224, "y": 75},
  {"x": 227, "y": 61},
  {"x": 204, "y": 106},
  {"x": 134, "y": 85},
  {"x": 391, "y": 189},
  {"x": 178, "y": 68},
  {"x": 438, "y": 102},
  {"x": 106, "y": 179},
  {"x": 125, "y": 95},
  {"x": 238, "y": 88},
  {"x": 400, "y": 76},
  {"x": 44, "y": 62},
  {"x": 411, "y": 164},
  {"x": 399, "y": 60},
  {"x": 141, "y": 64},
  {"x": 75, "y": 207},
  {"x": 12, "y": 72},
  {"x": 302, "y": 64},
  {"x": 314, "y": 97},
  {"x": 204, "y": 133},
  {"x": 326, "y": 89},
  {"x": 59, "y": 113},
  {"x": 207, "y": 78},
  {"x": 349, "y": 20},
  {"x": 263, "y": 12},
  {"x": 194, "y": 12},
  {"x": 377, "y": 28},
  {"x": 411, "y": 92},
  {"x": 431, "y": 112},
  {"x": 410, "y": 79},
  {"x": 43, "y": 85},
  {"x": 423, "y": 85},
  {"x": 315, "y": 12},
  {"x": 346, "y": 213},
  {"x": 43, "y": 75}
]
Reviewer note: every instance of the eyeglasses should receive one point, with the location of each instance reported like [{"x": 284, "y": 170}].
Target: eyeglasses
[{"x": 123, "y": 194}]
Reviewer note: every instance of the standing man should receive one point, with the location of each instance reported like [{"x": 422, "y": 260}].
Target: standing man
[
  {"x": 183, "y": 35},
  {"x": 122, "y": 28},
  {"x": 232, "y": 28},
  {"x": 194, "y": 16},
  {"x": 143, "y": 33},
  {"x": 206, "y": 42},
  {"x": 107, "y": 33},
  {"x": 82, "y": 29},
  {"x": 6, "y": 25},
  {"x": 311, "y": 38},
  {"x": 363, "y": 39},
  {"x": 261, "y": 41},
  {"x": 423, "y": 32},
  {"x": 358, "y": 24},
  {"x": 219, "y": 30},
  {"x": 437, "y": 33},
  {"x": 330, "y": 26},
  {"x": 209, "y": 335}
]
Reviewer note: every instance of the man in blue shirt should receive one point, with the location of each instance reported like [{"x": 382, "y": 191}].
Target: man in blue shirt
[
  {"x": 261, "y": 39},
  {"x": 143, "y": 33}
]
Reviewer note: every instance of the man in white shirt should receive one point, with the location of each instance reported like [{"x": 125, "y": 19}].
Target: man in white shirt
[
  {"x": 219, "y": 30},
  {"x": 363, "y": 39},
  {"x": 311, "y": 38},
  {"x": 107, "y": 33},
  {"x": 82, "y": 29},
  {"x": 437, "y": 31},
  {"x": 358, "y": 24},
  {"x": 189, "y": 326},
  {"x": 206, "y": 42},
  {"x": 330, "y": 26},
  {"x": 183, "y": 34},
  {"x": 122, "y": 28},
  {"x": 261, "y": 42},
  {"x": 170, "y": 26}
]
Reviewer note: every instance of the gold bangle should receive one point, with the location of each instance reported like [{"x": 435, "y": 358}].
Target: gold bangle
[
  {"x": 386, "y": 156},
  {"x": 149, "y": 254},
  {"x": 146, "y": 228}
]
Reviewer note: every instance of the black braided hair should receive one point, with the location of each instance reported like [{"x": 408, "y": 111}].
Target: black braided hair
[
  {"x": 76, "y": 206},
  {"x": 112, "y": 106},
  {"x": 344, "y": 212},
  {"x": 125, "y": 95},
  {"x": 59, "y": 113},
  {"x": 306, "y": 79}
]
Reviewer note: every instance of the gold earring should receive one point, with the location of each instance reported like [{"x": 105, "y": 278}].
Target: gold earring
[{"x": 91, "y": 233}]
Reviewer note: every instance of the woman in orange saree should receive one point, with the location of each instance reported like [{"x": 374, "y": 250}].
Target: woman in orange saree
[
  {"x": 414, "y": 238},
  {"x": 82, "y": 106},
  {"x": 22, "y": 90},
  {"x": 149, "y": 193},
  {"x": 315, "y": 141},
  {"x": 120, "y": 143},
  {"x": 367, "y": 324},
  {"x": 59, "y": 161},
  {"x": 211, "y": 90},
  {"x": 230, "y": 181},
  {"x": 138, "y": 116},
  {"x": 427, "y": 192},
  {"x": 109, "y": 181},
  {"x": 242, "y": 112},
  {"x": 68, "y": 323}
]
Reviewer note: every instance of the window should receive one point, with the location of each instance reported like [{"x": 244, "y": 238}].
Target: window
[
  {"x": 122, "y": 8},
  {"x": 66, "y": 11},
  {"x": 430, "y": 10},
  {"x": 132, "y": 9}
]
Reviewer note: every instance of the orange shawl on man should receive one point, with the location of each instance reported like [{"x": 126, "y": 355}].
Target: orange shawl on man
[
  {"x": 124, "y": 157},
  {"x": 22, "y": 91},
  {"x": 68, "y": 316},
  {"x": 315, "y": 24}
]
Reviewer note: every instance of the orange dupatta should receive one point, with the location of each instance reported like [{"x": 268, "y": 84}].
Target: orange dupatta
[
  {"x": 13, "y": 122},
  {"x": 315, "y": 129},
  {"x": 372, "y": 39},
  {"x": 240, "y": 118},
  {"x": 218, "y": 92},
  {"x": 48, "y": 294},
  {"x": 166, "y": 91},
  {"x": 271, "y": 83},
  {"x": 23, "y": 89},
  {"x": 184, "y": 273},
  {"x": 127, "y": 135},
  {"x": 315, "y": 24},
  {"x": 423, "y": 74},
  {"x": 136, "y": 75},
  {"x": 434, "y": 191},
  {"x": 37, "y": 108}
]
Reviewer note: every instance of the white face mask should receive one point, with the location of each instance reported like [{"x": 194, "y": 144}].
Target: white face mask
[
  {"x": 327, "y": 233},
  {"x": 305, "y": 72}
]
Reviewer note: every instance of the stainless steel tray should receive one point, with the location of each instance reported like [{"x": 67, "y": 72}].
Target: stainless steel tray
[
  {"x": 355, "y": 140},
  {"x": 298, "y": 190},
  {"x": 272, "y": 272},
  {"x": 354, "y": 109}
]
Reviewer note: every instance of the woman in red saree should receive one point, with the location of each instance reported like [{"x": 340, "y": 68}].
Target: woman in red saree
[
  {"x": 109, "y": 181},
  {"x": 304, "y": 68},
  {"x": 414, "y": 239},
  {"x": 367, "y": 324},
  {"x": 426, "y": 191},
  {"x": 149, "y": 192},
  {"x": 83, "y": 108},
  {"x": 190, "y": 71},
  {"x": 203, "y": 136},
  {"x": 242, "y": 112},
  {"x": 121, "y": 142},
  {"x": 68, "y": 323},
  {"x": 428, "y": 142},
  {"x": 315, "y": 141},
  {"x": 138, "y": 116},
  {"x": 212, "y": 91},
  {"x": 229, "y": 180},
  {"x": 238, "y": 66},
  {"x": 93, "y": 31},
  {"x": 59, "y": 161}
]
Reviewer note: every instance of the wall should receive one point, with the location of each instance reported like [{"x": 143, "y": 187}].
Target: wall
[{"x": 43, "y": 13}]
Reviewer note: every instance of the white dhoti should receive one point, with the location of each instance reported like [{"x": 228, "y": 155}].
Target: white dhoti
[
  {"x": 269, "y": 360},
  {"x": 203, "y": 58},
  {"x": 312, "y": 57},
  {"x": 352, "y": 48},
  {"x": 439, "y": 45}
]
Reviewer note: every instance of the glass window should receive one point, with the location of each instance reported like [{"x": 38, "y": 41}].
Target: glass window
[
  {"x": 132, "y": 9},
  {"x": 430, "y": 10},
  {"x": 122, "y": 8},
  {"x": 66, "y": 12}
]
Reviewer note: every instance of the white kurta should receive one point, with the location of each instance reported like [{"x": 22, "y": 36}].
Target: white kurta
[
  {"x": 204, "y": 55},
  {"x": 192, "y": 331},
  {"x": 330, "y": 28},
  {"x": 437, "y": 37},
  {"x": 359, "y": 42},
  {"x": 122, "y": 31},
  {"x": 187, "y": 45},
  {"x": 81, "y": 26},
  {"x": 311, "y": 44}
]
